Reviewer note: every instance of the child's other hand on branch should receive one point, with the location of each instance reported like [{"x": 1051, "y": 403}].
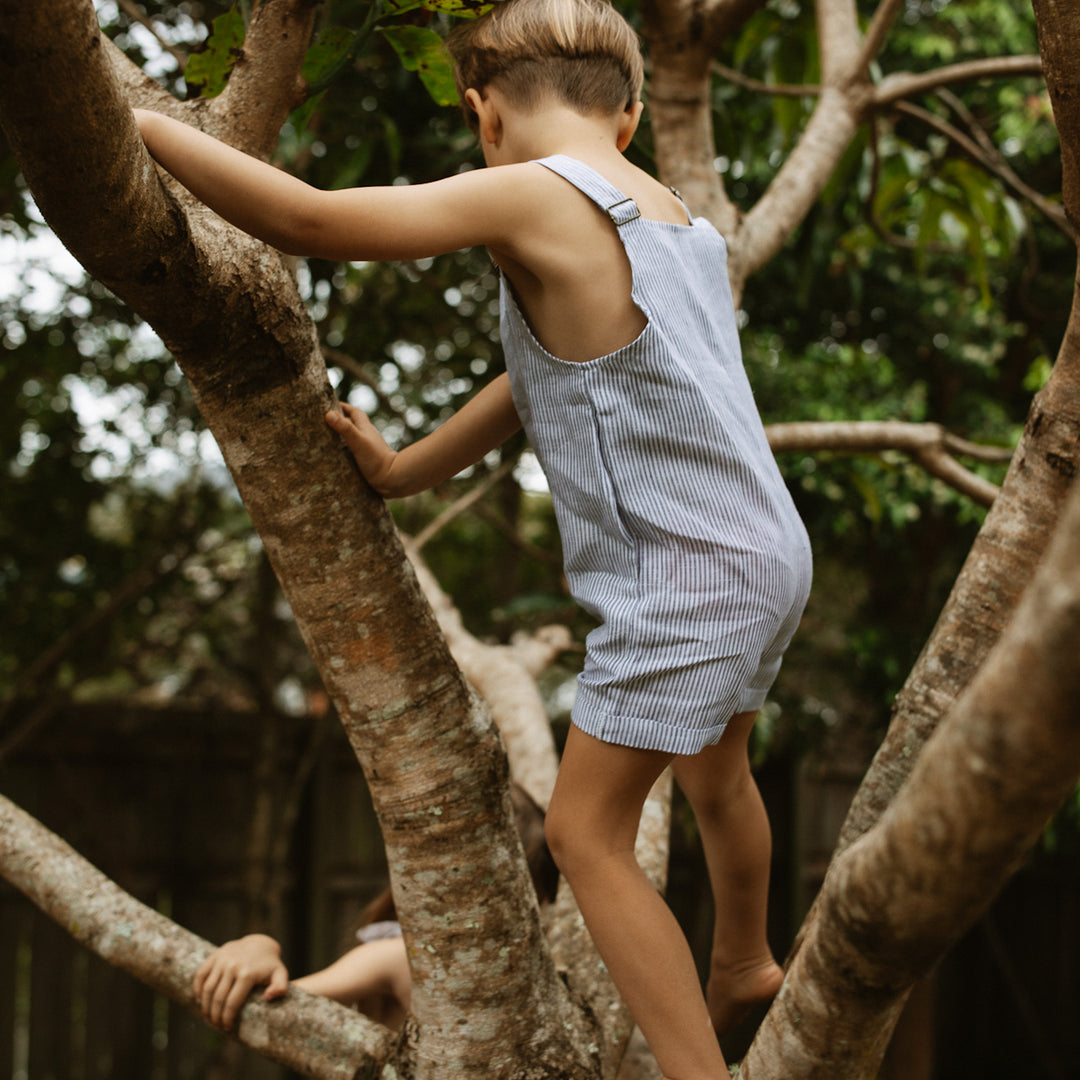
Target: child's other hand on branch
[
  {"x": 369, "y": 448},
  {"x": 226, "y": 977}
]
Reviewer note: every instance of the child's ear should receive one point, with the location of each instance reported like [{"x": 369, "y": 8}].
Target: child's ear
[
  {"x": 628, "y": 123},
  {"x": 488, "y": 120}
]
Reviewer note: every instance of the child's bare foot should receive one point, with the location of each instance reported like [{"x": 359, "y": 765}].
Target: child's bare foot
[{"x": 733, "y": 991}]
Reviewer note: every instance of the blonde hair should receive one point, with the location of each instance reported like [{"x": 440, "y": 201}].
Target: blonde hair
[{"x": 582, "y": 51}]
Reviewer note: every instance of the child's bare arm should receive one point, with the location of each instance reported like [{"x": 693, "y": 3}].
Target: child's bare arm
[
  {"x": 400, "y": 222},
  {"x": 485, "y": 422},
  {"x": 378, "y": 967},
  {"x": 226, "y": 977}
]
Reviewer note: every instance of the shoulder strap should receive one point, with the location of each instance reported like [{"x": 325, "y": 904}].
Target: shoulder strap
[{"x": 587, "y": 180}]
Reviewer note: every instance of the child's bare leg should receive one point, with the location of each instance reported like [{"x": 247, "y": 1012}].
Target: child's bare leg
[
  {"x": 738, "y": 847},
  {"x": 591, "y": 828}
]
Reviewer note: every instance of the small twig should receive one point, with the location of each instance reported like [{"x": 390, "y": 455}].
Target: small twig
[
  {"x": 1053, "y": 213},
  {"x": 759, "y": 87},
  {"x": 459, "y": 506},
  {"x": 356, "y": 370},
  {"x": 136, "y": 14}
]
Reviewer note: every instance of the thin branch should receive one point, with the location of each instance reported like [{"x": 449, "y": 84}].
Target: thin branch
[
  {"x": 356, "y": 370},
  {"x": 904, "y": 84},
  {"x": 759, "y": 87},
  {"x": 884, "y": 233},
  {"x": 539, "y": 554},
  {"x": 876, "y": 32},
  {"x": 1051, "y": 211},
  {"x": 929, "y": 445},
  {"x": 34, "y": 720},
  {"x": 136, "y": 14},
  {"x": 459, "y": 506},
  {"x": 130, "y": 589}
]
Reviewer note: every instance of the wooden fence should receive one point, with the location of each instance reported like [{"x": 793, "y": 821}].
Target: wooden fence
[{"x": 165, "y": 804}]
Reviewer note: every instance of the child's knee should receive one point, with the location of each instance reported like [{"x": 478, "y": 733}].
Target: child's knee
[
  {"x": 559, "y": 835},
  {"x": 568, "y": 838}
]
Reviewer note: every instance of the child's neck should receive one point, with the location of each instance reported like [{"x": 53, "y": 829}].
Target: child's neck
[{"x": 556, "y": 129}]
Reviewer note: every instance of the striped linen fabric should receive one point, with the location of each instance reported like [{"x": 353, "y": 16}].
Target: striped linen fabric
[{"x": 678, "y": 532}]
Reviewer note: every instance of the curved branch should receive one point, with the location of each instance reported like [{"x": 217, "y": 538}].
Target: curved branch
[
  {"x": 992, "y": 163},
  {"x": 312, "y": 1035},
  {"x": 903, "y": 84},
  {"x": 930, "y": 445}
]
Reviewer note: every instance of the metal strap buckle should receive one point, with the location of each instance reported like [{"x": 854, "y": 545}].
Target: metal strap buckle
[{"x": 630, "y": 212}]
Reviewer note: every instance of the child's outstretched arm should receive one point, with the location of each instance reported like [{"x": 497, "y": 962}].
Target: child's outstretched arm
[
  {"x": 398, "y": 222},
  {"x": 486, "y": 421}
]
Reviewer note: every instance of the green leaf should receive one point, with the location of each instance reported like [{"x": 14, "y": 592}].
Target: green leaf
[
  {"x": 423, "y": 51},
  {"x": 207, "y": 71},
  {"x": 329, "y": 53},
  {"x": 466, "y": 9}
]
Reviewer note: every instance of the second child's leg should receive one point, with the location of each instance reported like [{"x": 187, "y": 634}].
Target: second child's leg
[
  {"x": 592, "y": 825},
  {"x": 738, "y": 848}
]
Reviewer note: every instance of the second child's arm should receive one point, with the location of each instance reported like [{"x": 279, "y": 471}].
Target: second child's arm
[{"x": 487, "y": 420}]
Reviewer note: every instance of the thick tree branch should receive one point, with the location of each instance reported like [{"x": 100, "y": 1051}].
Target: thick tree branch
[
  {"x": 265, "y": 84},
  {"x": 1001, "y": 763},
  {"x": 839, "y": 43},
  {"x": 681, "y": 41},
  {"x": 1016, "y": 531},
  {"x": 508, "y": 687},
  {"x": 1059, "y": 31},
  {"x": 66, "y": 84},
  {"x": 312, "y": 1035}
]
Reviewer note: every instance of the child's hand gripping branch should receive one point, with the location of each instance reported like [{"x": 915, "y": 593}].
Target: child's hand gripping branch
[
  {"x": 486, "y": 421},
  {"x": 226, "y": 977},
  {"x": 372, "y": 977}
]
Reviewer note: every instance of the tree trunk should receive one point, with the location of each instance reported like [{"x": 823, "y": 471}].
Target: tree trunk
[{"x": 979, "y": 796}]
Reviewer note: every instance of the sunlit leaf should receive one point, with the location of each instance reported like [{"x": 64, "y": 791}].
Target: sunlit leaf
[
  {"x": 423, "y": 51},
  {"x": 207, "y": 71}
]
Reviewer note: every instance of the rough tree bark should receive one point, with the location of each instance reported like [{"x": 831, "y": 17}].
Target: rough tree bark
[
  {"x": 489, "y": 1000},
  {"x": 979, "y": 796}
]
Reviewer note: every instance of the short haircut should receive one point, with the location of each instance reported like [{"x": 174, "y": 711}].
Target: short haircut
[{"x": 581, "y": 51}]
